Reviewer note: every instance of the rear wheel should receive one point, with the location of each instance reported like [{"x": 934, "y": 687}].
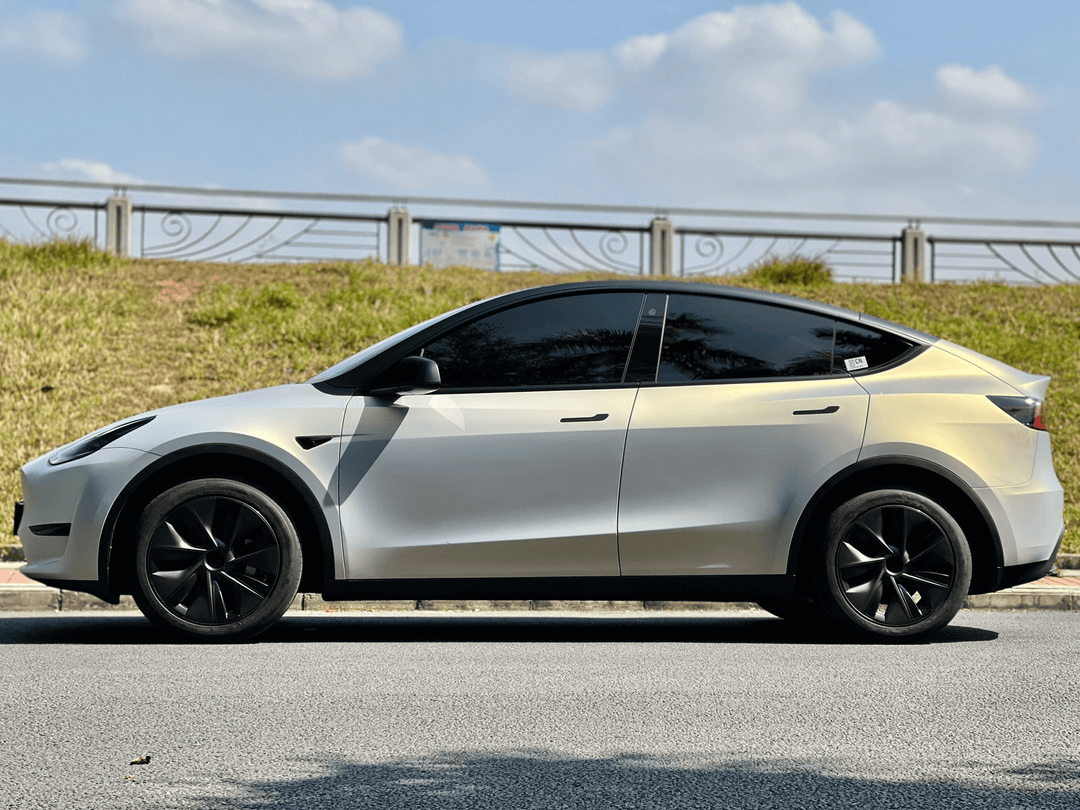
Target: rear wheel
[
  {"x": 215, "y": 559},
  {"x": 895, "y": 565}
]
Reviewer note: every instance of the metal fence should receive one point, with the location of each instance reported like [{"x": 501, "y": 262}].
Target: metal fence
[
  {"x": 229, "y": 234},
  {"x": 221, "y": 225}
]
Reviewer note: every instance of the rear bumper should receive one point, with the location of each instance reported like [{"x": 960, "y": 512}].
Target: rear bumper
[
  {"x": 1012, "y": 575},
  {"x": 1030, "y": 518}
]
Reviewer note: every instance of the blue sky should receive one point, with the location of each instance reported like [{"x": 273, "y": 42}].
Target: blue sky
[{"x": 931, "y": 108}]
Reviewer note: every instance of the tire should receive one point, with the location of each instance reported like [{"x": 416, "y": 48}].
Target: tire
[
  {"x": 895, "y": 566},
  {"x": 215, "y": 559}
]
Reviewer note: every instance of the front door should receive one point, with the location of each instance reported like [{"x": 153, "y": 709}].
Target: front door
[
  {"x": 483, "y": 485},
  {"x": 512, "y": 468}
]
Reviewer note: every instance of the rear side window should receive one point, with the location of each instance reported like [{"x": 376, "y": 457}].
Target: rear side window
[
  {"x": 712, "y": 338},
  {"x": 878, "y": 348},
  {"x": 572, "y": 340}
]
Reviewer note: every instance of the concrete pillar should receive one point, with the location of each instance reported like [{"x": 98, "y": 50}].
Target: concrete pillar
[
  {"x": 118, "y": 225},
  {"x": 399, "y": 247},
  {"x": 913, "y": 254},
  {"x": 661, "y": 247}
]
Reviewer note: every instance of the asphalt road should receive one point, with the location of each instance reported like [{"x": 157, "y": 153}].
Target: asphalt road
[{"x": 521, "y": 711}]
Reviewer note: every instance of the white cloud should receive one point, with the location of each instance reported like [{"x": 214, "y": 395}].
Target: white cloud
[
  {"x": 50, "y": 34},
  {"x": 576, "y": 81},
  {"x": 775, "y": 32},
  {"x": 989, "y": 89},
  {"x": 410, "y": 167},
  {"x": 756, "y": 57},
  {"x": 887, "y": 146},
  {"x": 641, "y": 52},
  {"x": 309, "y": 39},
  {"x": 753, "y": 60},
  {"x": 96, "y": 171},
  {"x": 953, "y": 146},
  {"x": 728, "y": 116}
]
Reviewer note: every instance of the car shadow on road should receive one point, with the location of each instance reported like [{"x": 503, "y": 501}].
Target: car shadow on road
[
  {"x": 458, "y": 780},
  {"x": 419, "y": 627}
]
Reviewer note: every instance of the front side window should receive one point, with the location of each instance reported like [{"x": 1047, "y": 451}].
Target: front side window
[
  {"x": 713, "y": 338},
  {"x": 572, "y": 340}
]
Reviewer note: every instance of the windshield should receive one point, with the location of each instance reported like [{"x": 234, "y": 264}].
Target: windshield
[{"x": 376, "y": 348}]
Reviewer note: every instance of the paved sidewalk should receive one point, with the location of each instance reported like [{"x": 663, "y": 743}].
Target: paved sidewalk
[{"x": 20, "y": 593}]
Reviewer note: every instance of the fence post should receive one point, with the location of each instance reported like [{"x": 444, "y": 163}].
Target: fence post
[
  {"x": 398, "y": 249},
  {"x": 661, "y": 247},
  {"x": 118, "y": 225},
  {"x": 913, "y": 254}
]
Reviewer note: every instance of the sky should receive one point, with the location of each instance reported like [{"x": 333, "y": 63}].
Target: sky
[{"x": 922, "y": 107}]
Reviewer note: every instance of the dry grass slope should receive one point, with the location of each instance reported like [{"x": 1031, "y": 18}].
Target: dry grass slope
[{"x": 86, "y": 338}]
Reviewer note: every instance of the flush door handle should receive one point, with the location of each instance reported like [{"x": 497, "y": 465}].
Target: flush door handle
[
  {"x": 600, "y": 417},
  {"x": 829, "y": 409}
]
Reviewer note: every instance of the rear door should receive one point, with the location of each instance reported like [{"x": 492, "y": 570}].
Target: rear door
[{"x": 750, "y": 412}]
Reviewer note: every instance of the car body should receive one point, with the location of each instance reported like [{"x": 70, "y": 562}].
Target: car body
[{"x": 627, "y": 439}]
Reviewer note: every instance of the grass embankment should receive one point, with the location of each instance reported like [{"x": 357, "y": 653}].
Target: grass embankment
[{"x": 86, "y": 338}]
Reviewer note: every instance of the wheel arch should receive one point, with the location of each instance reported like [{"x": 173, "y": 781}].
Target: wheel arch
[
  {"x": 901, "y": 472},
  {"x": 218, "y": 461}
]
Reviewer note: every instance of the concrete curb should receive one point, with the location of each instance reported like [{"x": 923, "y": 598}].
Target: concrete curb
[{"x": 25, "y": 598}]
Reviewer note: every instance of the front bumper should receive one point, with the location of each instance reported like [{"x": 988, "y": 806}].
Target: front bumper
[{"x": 77, "y": 496}]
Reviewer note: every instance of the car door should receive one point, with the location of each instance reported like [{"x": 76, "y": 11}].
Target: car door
[
  {"x": 749, "y": 414},
  {"x": 511, "y": 469}
]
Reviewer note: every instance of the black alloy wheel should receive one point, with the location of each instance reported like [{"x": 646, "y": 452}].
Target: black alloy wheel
[
  {"x": 215, "y": 558},
  {"x": 896, "y": 565}
]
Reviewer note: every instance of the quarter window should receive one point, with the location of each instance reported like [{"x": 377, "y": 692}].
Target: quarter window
[
  {"x": 857, "y": 341},
  {"x": 572, "y": 340}
]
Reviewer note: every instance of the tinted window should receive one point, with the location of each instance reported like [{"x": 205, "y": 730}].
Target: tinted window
[
  {"x": 856, "y": 341},
  {"x": 574, "y": 340},
  {"x": 708, "y": 338}
]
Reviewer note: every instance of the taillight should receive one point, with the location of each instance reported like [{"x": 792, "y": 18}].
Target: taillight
[{"x": 1025, "y": 410}]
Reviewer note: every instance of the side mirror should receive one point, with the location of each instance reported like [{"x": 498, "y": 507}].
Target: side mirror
[{"x": 413, "y": 375}]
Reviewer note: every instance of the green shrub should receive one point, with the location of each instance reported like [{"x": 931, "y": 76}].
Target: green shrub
[{"x": 797, "y": 271}]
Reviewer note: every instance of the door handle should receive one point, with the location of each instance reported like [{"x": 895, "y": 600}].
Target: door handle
[
  {"x": 828, "y": 409},
  {"x": 600, "y": 417}
]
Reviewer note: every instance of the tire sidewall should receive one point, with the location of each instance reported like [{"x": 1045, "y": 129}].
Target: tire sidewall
[
  {"x": 267, "y": 613},
  {"x": 829, "y": 589}
]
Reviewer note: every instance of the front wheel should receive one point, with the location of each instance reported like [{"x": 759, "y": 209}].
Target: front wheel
[
  {"x": 895, "y": 565},
  {"x": 215, "y": 559}
]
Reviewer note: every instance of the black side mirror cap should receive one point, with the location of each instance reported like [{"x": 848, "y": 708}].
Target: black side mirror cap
[{"x": 413, "y": 375}]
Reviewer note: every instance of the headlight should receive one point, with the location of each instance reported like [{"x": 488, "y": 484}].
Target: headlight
[{"x": 91, "y": 444}]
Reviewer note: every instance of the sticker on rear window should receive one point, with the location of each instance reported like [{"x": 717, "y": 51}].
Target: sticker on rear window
[{"x": 855, "y": 363}]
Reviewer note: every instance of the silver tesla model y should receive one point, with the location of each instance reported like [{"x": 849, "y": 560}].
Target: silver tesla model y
[{"x": 601, "y": 440}]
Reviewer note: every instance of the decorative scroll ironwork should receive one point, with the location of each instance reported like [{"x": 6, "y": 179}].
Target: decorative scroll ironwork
[
  {"x": 180, "y": 231},
  {"x": 851, "y": 256},
  {"x": 36, "y": 221},
  {"x": 572, "y": 248},
  {"x": 233, "y": 235},
  {"x": 1018, "y": 261}
]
